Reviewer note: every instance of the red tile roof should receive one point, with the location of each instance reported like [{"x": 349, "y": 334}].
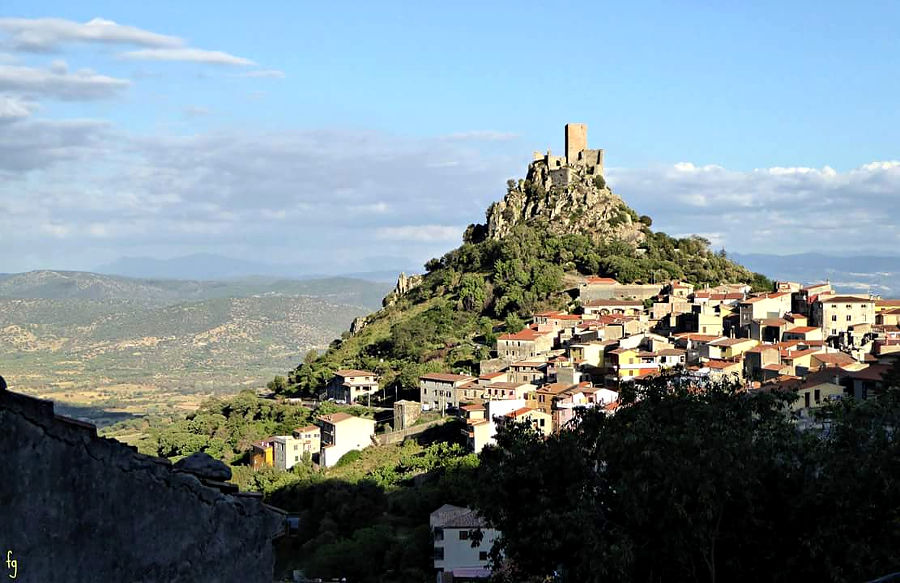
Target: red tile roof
[
  {"x": 600, "y": 281},
  {"x": 445, "y": 377},
  {"x": 349, "y": 372}
]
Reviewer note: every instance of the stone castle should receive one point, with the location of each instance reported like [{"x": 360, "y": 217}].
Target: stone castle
[{"x": 578, "y": 159}]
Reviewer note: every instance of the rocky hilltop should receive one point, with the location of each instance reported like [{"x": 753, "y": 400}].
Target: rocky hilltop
[
  {"x": 568, "y": 200},
  {"x": 554, "y": 227}
]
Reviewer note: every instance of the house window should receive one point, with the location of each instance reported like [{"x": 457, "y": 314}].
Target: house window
[
  {"x": 438, "y": 534},
  {"x": 818, "y": 396},
  {"x": 834, "y": 317},
  {"x": 438, "y": 553},
  {"x": 464, "y": 535},
  {"x": 848, "y": 317},
  {"x": 482, "y": 556}
]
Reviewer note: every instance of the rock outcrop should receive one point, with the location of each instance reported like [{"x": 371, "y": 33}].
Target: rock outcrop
[
  {"x": 568, "y": 199},
  {"x": 405, "y": 283}
]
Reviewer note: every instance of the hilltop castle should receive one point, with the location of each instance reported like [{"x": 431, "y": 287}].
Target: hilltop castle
[{"x": 578, "y": 157}]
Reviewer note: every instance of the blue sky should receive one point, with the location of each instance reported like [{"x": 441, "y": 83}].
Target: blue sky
[{"x": 366, "y": 133}]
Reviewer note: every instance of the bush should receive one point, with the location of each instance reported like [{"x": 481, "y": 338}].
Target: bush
[{"x": 348, "y": 458}]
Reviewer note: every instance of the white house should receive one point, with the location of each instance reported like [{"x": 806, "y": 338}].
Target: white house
[
  {"x": 453, "y": 528},
  {"x": 341, "y": 433}
]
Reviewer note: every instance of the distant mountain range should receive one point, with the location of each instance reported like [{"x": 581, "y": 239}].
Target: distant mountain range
[
  {"x": 861, "y": 273},
  {"x": 111, "y": 344},
  {"x": 208, "y": 266}
]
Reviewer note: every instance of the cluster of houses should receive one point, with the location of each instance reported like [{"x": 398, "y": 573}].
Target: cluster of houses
[{"x": 812, "y": 340}]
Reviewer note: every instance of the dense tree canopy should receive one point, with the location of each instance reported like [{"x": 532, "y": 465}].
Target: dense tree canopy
[{"x": 711, "y": 485}]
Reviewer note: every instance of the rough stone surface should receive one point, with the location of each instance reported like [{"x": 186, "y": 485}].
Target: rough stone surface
[
  {"x": 568, "y": 200},
  {"x": 405, "y": 283},
  {"x": 204, "y": 465},
  {"x": 358, "y": 324},
  {"x": 566, "y": 195},
  {"x": 75, "y": 507}
]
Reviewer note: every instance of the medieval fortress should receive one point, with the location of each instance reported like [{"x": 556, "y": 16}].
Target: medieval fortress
[{"x": 578, "y": 159}]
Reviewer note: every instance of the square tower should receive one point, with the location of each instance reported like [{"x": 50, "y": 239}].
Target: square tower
[{"x": 576, "y": 141}]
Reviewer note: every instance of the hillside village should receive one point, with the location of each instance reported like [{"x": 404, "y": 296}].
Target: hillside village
[{"x": 806, "y": 340}]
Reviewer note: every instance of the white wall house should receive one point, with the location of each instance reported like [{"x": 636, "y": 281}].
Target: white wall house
[
  {"x": 453, "y": 528},
  {"x": 342, "y": 433}
]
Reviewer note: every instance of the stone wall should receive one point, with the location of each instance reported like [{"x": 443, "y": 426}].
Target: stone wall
[
  {"x": 76, "y": 507},
  {"x": 400, "y": 436}
]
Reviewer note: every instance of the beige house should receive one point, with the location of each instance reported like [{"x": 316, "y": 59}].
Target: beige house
[
  {"x": 539, "y": 420},
  {"x": 888, "y": 317},
  {"x": 438, "y": 390},
  {"x": 526, "y": 343},
  {"x": 727, "y": 348},
  {"x": 817, "y": 395},
  {"x": 528, "y": 371},
  {"x": 612, "y": 307},
  {"x": 495, "y": 391},
  {"x": 349, "y": 385},
  {"x": 836, "y": 314},
  {"x": 773, "y": 305},
  {"x": 590, "y": 353},
  {"x": 805, "y": 333},
  {"x": 342, "y": 433}
]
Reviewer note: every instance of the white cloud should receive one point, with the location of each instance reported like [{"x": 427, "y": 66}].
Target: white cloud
[
  {"x": 47, "y": 34},
  {"x": 425, "y": 233},
  {"x": 188, "y": 55},
  {"x": 770, "y": 210},
  {"x": 58, "y": 82},
  {"x": 14, "y": 107}
]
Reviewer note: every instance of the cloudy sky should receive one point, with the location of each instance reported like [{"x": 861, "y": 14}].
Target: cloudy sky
[{"x": 366, "y": 137}]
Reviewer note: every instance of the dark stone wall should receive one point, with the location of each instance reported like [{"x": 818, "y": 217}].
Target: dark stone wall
[{"x": 76, "y": 507}]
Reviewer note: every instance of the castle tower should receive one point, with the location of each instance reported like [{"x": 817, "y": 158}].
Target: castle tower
[{"x": 576, "y": 141}]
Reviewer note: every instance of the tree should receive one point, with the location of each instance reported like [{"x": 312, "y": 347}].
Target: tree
[
  {"x": 513, "y": 323},
  {"x": 688, "y": 484}
]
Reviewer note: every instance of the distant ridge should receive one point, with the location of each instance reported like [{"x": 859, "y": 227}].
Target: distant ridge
[
  {"x": 878, "y": 273},
  {"x": 210, "y": 266}
]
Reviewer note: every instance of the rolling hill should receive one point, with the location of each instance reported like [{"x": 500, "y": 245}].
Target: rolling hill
[{"x": 138, "y": 346}]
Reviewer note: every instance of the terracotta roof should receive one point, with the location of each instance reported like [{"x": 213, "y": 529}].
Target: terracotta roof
[
  {"x": 719, "y": 364},
  {"x": 873, "y": 372},
  {"x": 492, "y": 375},
  {"x": 472, "y": 407},
  {"x": 801, "y": 330},
  {"x": 335, "y": 417},
  {"x": 697, "y": 337},
  {"x": 520, "y": 412},
  {"x": 504, "y": 385},
  {"x": 445, "y": 377},
  {"x": 888, "y": 303},
  {"x": 594, "y": 303},
  {"x": 730, "y": 341},
  {"x": 526, "y": 334},
  {"x": 835, "y": 358},
  {"x": 555, "y": 388},
  {"x": 846, "y": 300},
  {"x": 349, "y": 372},
  {"x": 777, "y": 322},
  {"x": 601, "y": 281},
  {"x": 307, "y": 428}
]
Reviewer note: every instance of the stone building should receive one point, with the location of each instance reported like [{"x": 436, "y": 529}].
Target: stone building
[
  {"x": 350, "y": 386},
  {"x": 78, "y": 507}
]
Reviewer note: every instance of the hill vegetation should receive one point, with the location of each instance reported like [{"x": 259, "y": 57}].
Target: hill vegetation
[{"x": 496, "y": 280}]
